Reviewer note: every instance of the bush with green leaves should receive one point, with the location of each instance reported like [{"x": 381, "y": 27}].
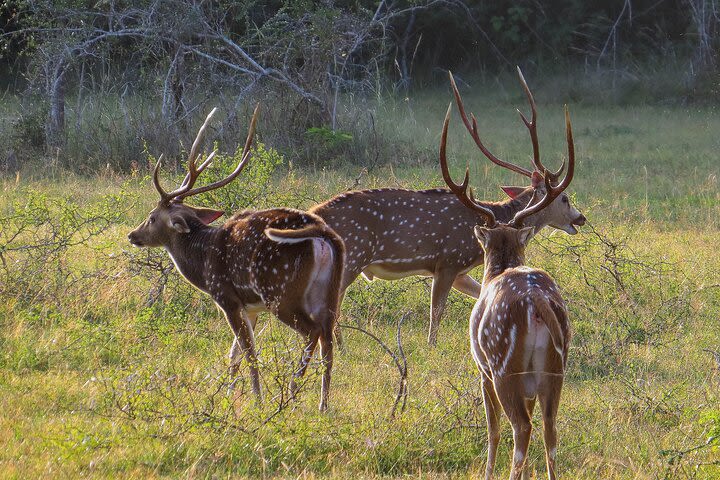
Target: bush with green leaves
[
  {"x": 250, "y": 189},
  {"x": 325, "y": 145},
  {"x": 40, "y": 235}
]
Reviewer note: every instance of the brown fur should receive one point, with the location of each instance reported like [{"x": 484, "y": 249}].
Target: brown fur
[
  {"x": 519, "y": 337},
  {"x": 392, "y": 233},
  {"x": 245, "y": 272}
]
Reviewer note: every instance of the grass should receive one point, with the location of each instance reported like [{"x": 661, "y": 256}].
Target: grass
[{"x": 96, "y": 382}]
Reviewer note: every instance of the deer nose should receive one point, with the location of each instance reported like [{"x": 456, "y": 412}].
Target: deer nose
[
  {"x": 133, "y": 239},
  {"x": 580, "y": 221}
]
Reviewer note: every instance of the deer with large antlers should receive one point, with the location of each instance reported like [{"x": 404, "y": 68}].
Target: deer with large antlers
[
  {"x": 395, "y": 233},
  {"x": 280, "y": 260},
  {"x": 519, "y": 328}
]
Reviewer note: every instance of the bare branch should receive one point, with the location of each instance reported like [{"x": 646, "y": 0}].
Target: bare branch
[{"x": 398, "y": 358}]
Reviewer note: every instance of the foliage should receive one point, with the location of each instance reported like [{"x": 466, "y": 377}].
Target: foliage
[
  {"x": 251, "y": 189},
  {"x": 38, "y": 234},
  {"x": 117, "y": 367},
  {"x": 324, "y": 145},
  {"x": 304, "y": 56},
  {"x": 28, "y": 129}
]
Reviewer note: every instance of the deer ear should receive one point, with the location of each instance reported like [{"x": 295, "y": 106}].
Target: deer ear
[
  {"x": 525, "y": 234},
  {"x": 178, "y": 223},
  {"x": 512, "y": 192},
  {"x": 481, "y": 235},
  {"x": 537, "y": 179},
  {"x": 208, "y": 215}
]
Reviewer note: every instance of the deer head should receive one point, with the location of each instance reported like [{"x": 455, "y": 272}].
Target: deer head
[
  {"x": 505, "y": 243},
  {"x": 171, "y": 218},
  {"x": 560, "y": 213}
]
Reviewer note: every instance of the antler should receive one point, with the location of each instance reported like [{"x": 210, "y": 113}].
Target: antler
[
  {"x": 461, "y": 191},
  {"x": 532, "y": 128},
  {"x": 473, "y": 129},
  {"x": 193, "y": 171},
  {"x": 552, "y": 192},
  {"x": 185, "y": 190}
]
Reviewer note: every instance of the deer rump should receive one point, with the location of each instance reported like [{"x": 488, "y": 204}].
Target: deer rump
[
  {"x": 327, "y": 263},
  {"x": 529, "y": 349}
]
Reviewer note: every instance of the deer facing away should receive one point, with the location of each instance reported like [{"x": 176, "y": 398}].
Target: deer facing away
[
  {"x": 519, "y": 327},
  {"x": 280, "y": 260},
  {"x": 394, "y": 233}
]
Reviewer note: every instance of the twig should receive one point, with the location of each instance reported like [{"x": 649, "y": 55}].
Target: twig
[{"x": 399, "y": 359}]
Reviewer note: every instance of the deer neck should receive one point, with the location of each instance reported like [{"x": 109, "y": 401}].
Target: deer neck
[
  {"x": 497, "y": 261},
  {"x": 189, "y": 252}
]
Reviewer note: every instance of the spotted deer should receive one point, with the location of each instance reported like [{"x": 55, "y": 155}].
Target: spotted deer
[
  {"x": 519, "y": 327},
  {"x": 394, "y": 233},
  {"x": 280, "y": 260}
]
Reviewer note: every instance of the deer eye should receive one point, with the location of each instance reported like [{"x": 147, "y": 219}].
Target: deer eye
[
  {"x": 151, "y": 220},
  {"x": 565, "y": 199}
]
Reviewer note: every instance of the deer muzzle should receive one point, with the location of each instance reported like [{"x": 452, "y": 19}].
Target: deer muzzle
[{"x": 134, "y": 240}]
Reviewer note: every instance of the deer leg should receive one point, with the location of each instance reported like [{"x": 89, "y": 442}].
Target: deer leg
[
  {"x": 235, "y": 357},
  {"x": 307, "y": 354},
  {"x": 492, "y": 416},
  {"x": 321, "y": 329},
  {"x": 521, "y": 440},
  {"x": 467, "y": 285},
  {"x": 442, "y": 283},
  {"x": 241, "y": 327},
  {"x": 337, "y": 331},
  {"x": 515, "y": 408},
  {"x": 236, "y": 350},
  {"x": 348, "y": 278},
  {"x": 530, "y": 407},
  {"x": 549, "y": 400},
  {"x": 326, "y": 350}
]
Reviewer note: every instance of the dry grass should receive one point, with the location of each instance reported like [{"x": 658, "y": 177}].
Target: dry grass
[{"x": 95, "y": 382}]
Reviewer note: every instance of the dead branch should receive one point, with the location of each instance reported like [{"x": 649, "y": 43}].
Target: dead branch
[{"x": 398, "y": 358}]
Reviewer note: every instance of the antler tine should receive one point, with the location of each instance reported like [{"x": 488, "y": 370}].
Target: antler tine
[
  {"x": 199, "y": 169},
  {"x": 156, "y": 180},
  {"x": 552, "y": 192},
  {"x": 193, "y": 171},
  {"x": 532, "y": 128},
  {"x": 571, "y": 152},
  {"x": 243, "y": 161},
  {"x": 194, "y": 150},
  {"x": 531, "y": 124},
  {"x": 460, "y": 191},
  {"x": 472, "y": 128}
]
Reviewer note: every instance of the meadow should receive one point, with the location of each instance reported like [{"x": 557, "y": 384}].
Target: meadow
[{"x": 112, "y": 367}]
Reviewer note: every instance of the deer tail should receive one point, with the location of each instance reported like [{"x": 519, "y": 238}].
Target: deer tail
[
  {"x": 318, "y": 231},
  {"x": 544, "y": 310},
  {"x": 310, "y": 232}
]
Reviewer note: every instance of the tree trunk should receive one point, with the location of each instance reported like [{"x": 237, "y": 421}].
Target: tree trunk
[
  {"x": 405, "y": 60},
  {"x": 55, "y": 131}
]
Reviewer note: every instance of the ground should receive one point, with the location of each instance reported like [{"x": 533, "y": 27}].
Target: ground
[{"x": 103, "y": 373}]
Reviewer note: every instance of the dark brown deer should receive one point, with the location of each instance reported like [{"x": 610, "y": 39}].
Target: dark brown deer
[
  {"x": 519, "y": 328},
  {"x": 394, "y": 233},
  {"x": 281, "y": 260}
]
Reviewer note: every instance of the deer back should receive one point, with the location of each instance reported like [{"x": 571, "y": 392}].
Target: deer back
[{"x": 406, "y": 230}]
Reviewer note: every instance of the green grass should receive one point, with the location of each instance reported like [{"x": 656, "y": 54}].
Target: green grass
[{"x": 95, "y": 382}]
